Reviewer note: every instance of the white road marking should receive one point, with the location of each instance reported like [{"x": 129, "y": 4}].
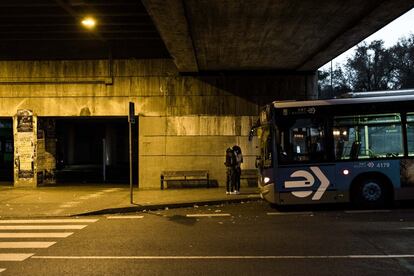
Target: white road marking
[
  {"x": 57, "y": 211},
  {"x": 367, "y": 211},
  {"x": 125, "y": 217},
  {"x": 69, "y": 204},
  {"x": 226, "y": 257},
  {"x": 32, "y": 227},
  {"x": 36, "y": 235},
  {"x": 26, "y": 244},
  {"x": 47, "y": 221},
  {"x": 14, "y": 257},
  {"x": 112, "y": 190},
  {"x": 208, "y": 215},
  {"x": 288, "y": 214},
  {"x": 2, "y": 269},
  {"x": 65, "y": 205},
  {"x": 407, "y": 228}
]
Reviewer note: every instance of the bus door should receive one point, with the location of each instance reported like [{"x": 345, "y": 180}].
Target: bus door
[
  {"x": 304, "y": 173},
  {"x": 311, "y": 183}
]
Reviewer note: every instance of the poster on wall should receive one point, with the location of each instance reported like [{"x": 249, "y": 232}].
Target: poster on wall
[
  {"x": 25, "y": 144},
  {"x": 24, "y": 120}
]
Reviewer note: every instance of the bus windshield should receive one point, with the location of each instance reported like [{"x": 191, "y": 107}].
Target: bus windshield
[
  {"x": 264, "y": 135},
  {"x": 301, "y": 139}
]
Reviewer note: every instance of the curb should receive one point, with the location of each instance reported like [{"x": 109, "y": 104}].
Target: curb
[{"x": 140, "y": 208}]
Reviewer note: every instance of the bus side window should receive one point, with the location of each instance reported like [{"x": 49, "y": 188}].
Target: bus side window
[{"x": 368, "y": 136}]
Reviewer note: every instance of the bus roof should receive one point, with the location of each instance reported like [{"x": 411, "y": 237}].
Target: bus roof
[{"x": 355, "y": 98}]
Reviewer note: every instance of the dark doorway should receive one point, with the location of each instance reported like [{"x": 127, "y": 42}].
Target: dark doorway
[
  {"x": 6, "y": 150},
  {"x": 94, "y": 150}
]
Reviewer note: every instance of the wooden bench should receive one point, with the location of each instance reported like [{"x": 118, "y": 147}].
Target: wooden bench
[
  {"x": 184, "y": 176},
  {"x": 251, "y": 175}
]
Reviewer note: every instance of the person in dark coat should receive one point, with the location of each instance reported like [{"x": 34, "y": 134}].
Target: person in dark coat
[
  {"x": 230, "y": 164},
  {"x": 239, "y": 159}
]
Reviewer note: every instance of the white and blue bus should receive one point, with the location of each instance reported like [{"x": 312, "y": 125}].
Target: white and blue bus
[{"x": 358, "y": 149}]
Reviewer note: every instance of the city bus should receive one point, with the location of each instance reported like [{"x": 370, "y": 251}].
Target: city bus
[{"x": 358, "y": 149}]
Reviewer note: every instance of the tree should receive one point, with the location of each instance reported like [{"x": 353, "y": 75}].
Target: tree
[
  {"x": 371, "y": 68},
  {"x": 340, "y": 84},
  {"x": 403, "y": 58}
]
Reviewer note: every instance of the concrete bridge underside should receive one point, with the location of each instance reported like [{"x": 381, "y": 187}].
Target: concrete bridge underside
[{"x": 293, "y": 35}]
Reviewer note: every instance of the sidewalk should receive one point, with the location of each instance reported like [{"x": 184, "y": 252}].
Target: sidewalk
[{"x": 101, "y": 199}]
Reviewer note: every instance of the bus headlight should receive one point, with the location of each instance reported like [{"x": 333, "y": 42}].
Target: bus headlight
[{"x": 266, "y": 180}]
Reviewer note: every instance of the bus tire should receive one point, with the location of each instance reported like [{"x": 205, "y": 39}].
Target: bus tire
[{"x": 371, "y": 193}]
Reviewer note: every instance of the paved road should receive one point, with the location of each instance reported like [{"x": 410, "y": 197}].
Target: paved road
[{"x": 234, "y": 239}]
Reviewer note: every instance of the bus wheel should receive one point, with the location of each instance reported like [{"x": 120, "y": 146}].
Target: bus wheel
[{"x": 370, "y": 193}]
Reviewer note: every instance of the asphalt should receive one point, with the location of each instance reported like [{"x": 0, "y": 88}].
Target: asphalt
[
  {"x": 227, "y": 239},
  {"x": 77, "y": 200}
]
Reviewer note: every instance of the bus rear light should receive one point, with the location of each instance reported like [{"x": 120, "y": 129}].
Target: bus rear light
[
  {"x": 345, "y": 172},
  {"x": 266, "y": 180}
]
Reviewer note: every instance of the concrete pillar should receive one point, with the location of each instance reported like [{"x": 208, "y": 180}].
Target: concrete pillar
[{"x": 25, "y": 148}]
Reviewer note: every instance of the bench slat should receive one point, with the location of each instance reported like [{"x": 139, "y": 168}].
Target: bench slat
[
  {"x": 249, "y": 173},
  {"x": 184, "y": 175}
]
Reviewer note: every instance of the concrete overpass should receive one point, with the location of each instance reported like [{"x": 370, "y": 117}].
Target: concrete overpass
[
  {"x": 293, "y": 35},
  {"x": 200, "y": 35}
]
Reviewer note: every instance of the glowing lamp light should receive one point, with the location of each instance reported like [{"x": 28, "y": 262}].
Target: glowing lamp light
[
  {"x": 89, "y": 22},
  {"x": 266, "y": 180},
  {"x": 345, "y": 172}
]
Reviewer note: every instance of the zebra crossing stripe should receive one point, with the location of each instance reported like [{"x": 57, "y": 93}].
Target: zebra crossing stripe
[
  {"x": 34, "y": 227},
  {"x": 35, "y": 235},
  {"x": 26, "y": 244},
  {"x": 2, "y": 269},
  {"x": 34, "y": 221},
  {"x": 14, "y": 257}
]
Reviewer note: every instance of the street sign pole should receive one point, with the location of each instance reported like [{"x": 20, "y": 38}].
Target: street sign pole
[{"x": 131, "y": 120}]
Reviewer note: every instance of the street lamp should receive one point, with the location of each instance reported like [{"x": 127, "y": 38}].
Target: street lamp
[{"x": 88, "y": 22}]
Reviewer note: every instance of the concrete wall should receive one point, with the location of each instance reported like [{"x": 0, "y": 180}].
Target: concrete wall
[{"x": 186, "y": 122}]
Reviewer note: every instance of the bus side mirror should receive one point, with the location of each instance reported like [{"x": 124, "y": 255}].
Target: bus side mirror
[
  {"x": 251, "y": 134},
  {"x": 258, "y": 161}
]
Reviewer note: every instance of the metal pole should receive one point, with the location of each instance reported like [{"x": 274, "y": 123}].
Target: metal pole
[
  {"x": 130, "y": 162},
  {"x": 137, "y": 151},
  {"x": 131, "y": 120}
]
